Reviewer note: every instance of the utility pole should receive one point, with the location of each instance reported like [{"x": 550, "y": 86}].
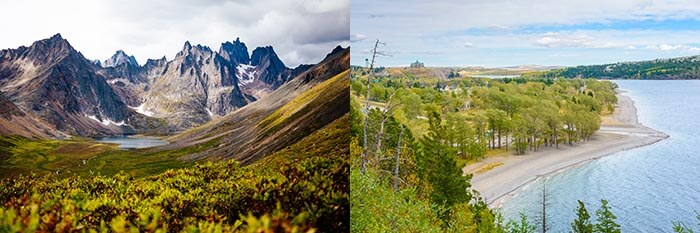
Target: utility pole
[{"x": 363, "y": 163}]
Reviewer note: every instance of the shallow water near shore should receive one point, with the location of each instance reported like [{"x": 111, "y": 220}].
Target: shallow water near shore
[
  {"x": 649, "y": 187},
  {"x": 129, "y": 142}
]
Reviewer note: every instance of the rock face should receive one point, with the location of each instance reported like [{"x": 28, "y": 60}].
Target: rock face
[
  {"x": 307, "y": 102},
  {"x": 125, "y": 76},
  {"x": 14, "y": 121},
  {"x": 55, "y": 82},
  {"x": 236, "y": 52},
  {"x": 200, "y": 84},
  {"x": 270, "y": 66},
  {"x": 120, "y": 58},
  {"x": 192, "y": 88}
]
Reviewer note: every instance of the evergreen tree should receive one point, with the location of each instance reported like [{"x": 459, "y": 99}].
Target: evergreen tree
[
  {"x": 606, "y": 220},
  {"x": 582, "y": 224},
  {"x": 520, "y": 227},
  {"x": 449, "y": 186}
]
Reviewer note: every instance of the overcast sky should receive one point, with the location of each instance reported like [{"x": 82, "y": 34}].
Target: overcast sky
[
  {"x": 498, "y": 33},
  {"x": 302, "y": 31}
]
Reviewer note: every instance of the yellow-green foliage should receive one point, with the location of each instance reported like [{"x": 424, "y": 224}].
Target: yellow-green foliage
[
  {"x": 19, "y": 155},
  {"x": 22, "y": 155},
  {"x": 376, "y": 208},
  {"x": 330, "y": 140},
  {"x": 289, "y": 193},
  {"x": 319, "y": 91},
  {"x": 223, "y": 194}
]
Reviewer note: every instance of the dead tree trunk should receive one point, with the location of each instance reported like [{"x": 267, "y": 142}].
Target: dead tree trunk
[
  {"x": 544, "y": 204},
  {"x": 380, "y": 138},
  {"x": 363, "y": 162}
]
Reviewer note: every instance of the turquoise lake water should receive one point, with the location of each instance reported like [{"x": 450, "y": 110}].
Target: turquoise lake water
[
  {"x": 126, "y": 142},
  {"x": 649, "y": 187}
]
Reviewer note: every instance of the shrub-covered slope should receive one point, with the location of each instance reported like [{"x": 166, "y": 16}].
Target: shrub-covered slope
[{"x": 304, "y": 186}]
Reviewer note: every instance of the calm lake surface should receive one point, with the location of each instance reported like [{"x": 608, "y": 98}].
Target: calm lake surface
[
  {"x": 127, "y": 142},
  {"x": 649, "y": 187}
]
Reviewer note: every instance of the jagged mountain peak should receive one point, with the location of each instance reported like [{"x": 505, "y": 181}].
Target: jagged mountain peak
[
  {"x": 151, "y": 62},
  {"x": 57, "y": 36},
  {"x": 198, "y": 50},
  {"x": 236, "y": 52},
  {"x": 53, "y": 81},
  {"x": 54, "y": 47},
  {"x": 120, "y": 57},
  {"x": 203, "y": 48},
  {"x": 264, "y": 54},
  {"x": 336, "y": 50},
  {"x": 55, "y": 40}
]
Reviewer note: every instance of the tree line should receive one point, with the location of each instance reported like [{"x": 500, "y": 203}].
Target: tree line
[
  {"x": 486, "y": 114},
  {"x": 670, "y": 68}
]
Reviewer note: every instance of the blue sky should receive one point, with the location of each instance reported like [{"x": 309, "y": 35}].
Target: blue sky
[{"x": 501, "y": 33}]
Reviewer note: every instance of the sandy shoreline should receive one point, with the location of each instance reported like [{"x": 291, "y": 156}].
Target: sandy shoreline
[{"x": 618, "y": 132}]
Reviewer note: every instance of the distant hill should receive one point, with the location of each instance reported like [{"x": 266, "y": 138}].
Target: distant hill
[{"x": 670, "y": 68}]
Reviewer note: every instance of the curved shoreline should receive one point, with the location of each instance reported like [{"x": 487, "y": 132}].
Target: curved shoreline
[{"x": 617, "y": 133}]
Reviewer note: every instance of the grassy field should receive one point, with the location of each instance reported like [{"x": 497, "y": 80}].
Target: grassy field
[
  {"x": 307, "y": 98},
  {"x": 85, "y": 157},
  {"x": 22, "y": 155}
]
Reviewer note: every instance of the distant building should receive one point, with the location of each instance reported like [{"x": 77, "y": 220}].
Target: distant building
[{"x": 417, "y": 64}]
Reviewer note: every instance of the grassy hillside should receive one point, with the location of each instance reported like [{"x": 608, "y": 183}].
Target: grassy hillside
[{"x": 296, "y": 109}]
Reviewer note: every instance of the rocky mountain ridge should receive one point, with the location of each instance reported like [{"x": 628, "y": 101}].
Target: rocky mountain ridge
[{"x": 56, "y": 83}]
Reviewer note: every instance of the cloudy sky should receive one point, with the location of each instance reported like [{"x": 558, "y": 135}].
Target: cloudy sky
[
  {"x": 499, "y": 33},
  {"x": 302, "y": 31}
]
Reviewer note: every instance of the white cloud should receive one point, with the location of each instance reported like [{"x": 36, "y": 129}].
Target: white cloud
[
  {"x": 676, "y": 47},
  {"x": 558, "y": 40},
  {"x": 468, "y": 45},
  {"x": 356, "y": 37},
  {"x": 152, "y": 29}
]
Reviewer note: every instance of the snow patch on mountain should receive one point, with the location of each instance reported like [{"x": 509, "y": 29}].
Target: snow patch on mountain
[
  {"x": 245, "y": 73},
  {"x": 106, "y": 121},
  {"x": 116, "y": 80},
  {"x": 141, "y": 109}
]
